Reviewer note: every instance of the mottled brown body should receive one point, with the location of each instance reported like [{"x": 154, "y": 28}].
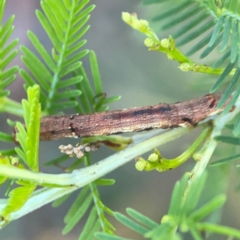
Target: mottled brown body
[{"x": 163, "y": 115}]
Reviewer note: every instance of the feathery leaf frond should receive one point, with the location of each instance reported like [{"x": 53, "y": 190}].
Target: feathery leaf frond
[
  {"x": 65, "y": 84},
  {"x": 96, "y": 220},
  {"x": 65, "y": 25},
  {"x": 29, "y": 142},
  {"x": 29, "y": 137},
  {"x": 7, "y": 53},
  {"x": 181, "y": 215}
]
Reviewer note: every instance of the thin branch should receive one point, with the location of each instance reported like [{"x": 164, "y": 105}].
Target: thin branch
[{"x": 82, "y": 177}]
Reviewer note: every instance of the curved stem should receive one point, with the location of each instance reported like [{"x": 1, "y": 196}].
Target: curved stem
[{"x": 157, "y": 162}]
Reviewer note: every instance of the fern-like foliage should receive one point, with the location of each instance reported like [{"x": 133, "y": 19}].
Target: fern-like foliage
[
  {"x": 212, "y": 25},
  {"x": 65, "y": 24},
  {"x": 83, "y": 203},
  {"x": 63, "y": 83},
  {"x": 231, "y": 140},
  {"x": 7, "y": 54},
  {"x": 182, "y": 215},
  {"x": 28, "y": 139},
  {"x": 87, "y": 200},
  {"x": 28, "y": 135}
]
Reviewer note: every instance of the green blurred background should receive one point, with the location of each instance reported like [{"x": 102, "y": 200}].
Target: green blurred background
[{"x": 141, "y": 78}]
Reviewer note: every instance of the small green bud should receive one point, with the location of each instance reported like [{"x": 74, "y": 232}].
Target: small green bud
[
  {"x": 149, "y": 43},
  {"x": 197, "y": 156},
  {"x": 185, "y": 67},
  {"x": 165, "y": 43},
  {"x": 139, "y": 24},
  {"x": 126, "y": 17},
  {"x": 168, "y": 219},
  {"x": 153, "y": 157},
  {"x": 140, "y": 164}
]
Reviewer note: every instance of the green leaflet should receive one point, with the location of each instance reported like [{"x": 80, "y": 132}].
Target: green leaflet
[
  {"x": 181, "y": 215},
  {"x": 8, "y": 53},
  {"x": 92, "y": 99},
  {"x": 6, "y": 137},
  {"x": 105, "y": 236},
  {"x": 78, "y": 214},
  {"x": 28, "y": 138},
  {"x": 83, "y": 203},
  {"x": 17, "y": 198},
  {"x": 131, "y": 223},
  {"x": 228, "y": 139},
  {"x": 5, "y": 161}
]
